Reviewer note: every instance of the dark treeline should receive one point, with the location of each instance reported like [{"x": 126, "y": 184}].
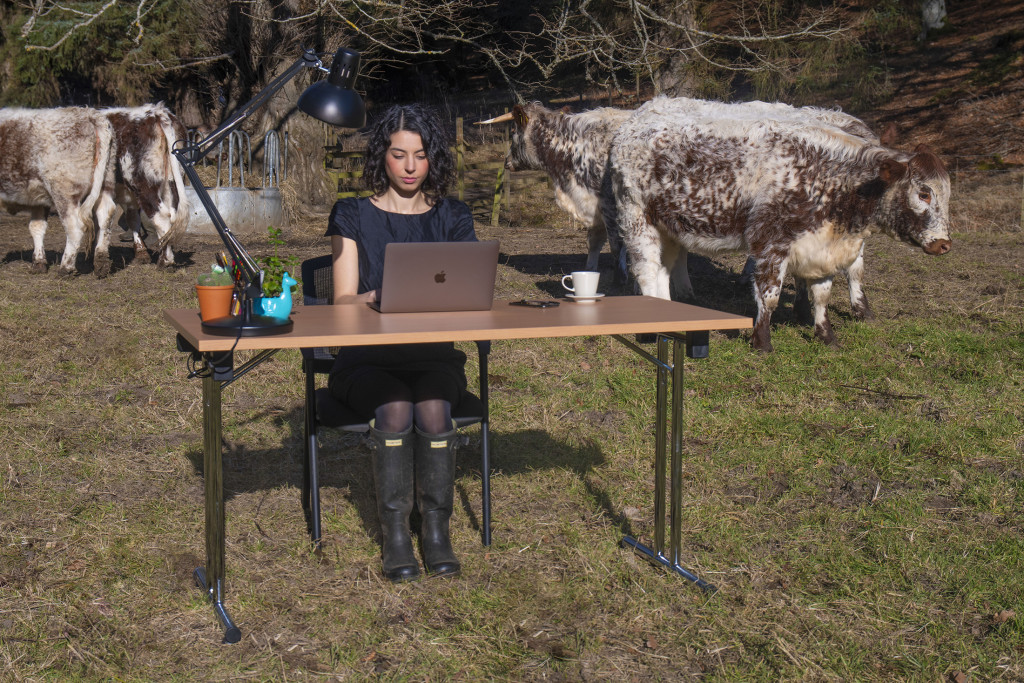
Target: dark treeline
[{"x": 206, "y": 57}]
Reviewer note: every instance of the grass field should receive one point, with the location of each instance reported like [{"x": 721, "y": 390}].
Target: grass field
[{"x": 859, "y": 506}]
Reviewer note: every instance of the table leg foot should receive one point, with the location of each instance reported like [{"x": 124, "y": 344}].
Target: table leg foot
[
  {"x": 659, "y": 558},
  {"x": 231, "y": 632}
]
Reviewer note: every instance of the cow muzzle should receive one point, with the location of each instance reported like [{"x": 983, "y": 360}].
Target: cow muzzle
[{"x": 937, "y": 247}]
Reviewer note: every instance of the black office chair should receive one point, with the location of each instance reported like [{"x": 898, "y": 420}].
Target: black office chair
[{"x": 323, "y": 410}]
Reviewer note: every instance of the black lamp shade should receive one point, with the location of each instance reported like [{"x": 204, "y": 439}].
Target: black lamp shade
[{"x": 333, "y": 100}]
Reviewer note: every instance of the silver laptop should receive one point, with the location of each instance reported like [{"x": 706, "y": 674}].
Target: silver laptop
[{"x": 421, "y": 277}]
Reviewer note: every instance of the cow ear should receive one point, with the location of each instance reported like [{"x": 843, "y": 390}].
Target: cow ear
[
  {"x": 566, "y": 109},
  {"x": 519, "y": 116},
  {"x": 923, "y": 149},
  {"x": 891, "y": 171}
]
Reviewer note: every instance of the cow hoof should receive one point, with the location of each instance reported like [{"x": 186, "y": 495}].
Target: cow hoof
[
  {"x": 762, "y": 347},
  {"x": 38, "y": 267},
  {"x": 164, "y": 263},
  {"x": 66, "y": 272},
  {"x": 865, "y": 313},
  {"x": 101, "y": 267},
  {"x": 826, "y": 335}
]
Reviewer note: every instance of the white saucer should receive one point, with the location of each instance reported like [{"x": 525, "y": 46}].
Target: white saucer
[{"x": 584, "y": 299}]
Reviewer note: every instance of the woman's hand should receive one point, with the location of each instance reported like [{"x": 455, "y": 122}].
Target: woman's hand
[{"x": 364, "y": 298}]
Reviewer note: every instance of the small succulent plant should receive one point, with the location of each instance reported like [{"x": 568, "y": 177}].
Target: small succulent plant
[{"x": 216, "y": 277}]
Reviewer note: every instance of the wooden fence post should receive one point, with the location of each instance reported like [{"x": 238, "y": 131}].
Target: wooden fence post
[
  {"x": 460, "y": 144},
  {"x": 496, "y": 204},
  {"x": 508, "y": 184}
]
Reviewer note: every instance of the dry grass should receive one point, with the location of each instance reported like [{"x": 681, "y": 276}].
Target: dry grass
[{"x": 858, "y": 506}]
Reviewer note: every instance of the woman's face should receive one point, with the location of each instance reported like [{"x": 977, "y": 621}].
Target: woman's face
[{"x": 407, "y": 163}]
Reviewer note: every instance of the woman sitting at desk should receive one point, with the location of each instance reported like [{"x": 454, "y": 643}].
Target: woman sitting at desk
[{"x": 406, "y": 391}]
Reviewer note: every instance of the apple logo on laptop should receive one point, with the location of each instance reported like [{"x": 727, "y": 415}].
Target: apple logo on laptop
[{"x": 439, "y": 278}]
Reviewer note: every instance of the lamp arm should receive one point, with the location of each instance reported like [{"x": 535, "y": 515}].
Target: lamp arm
[
  {"x": 189, "y": 155},
  {"x": 251, "y": 272}
]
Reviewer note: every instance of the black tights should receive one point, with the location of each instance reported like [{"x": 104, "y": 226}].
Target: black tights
[{"x": 396, "y": 401}]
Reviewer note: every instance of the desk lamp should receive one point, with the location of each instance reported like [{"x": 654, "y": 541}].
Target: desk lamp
[{"x": 332, "y": 101}]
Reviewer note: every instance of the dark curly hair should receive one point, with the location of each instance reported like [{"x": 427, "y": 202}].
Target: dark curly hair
[{"x": 437, "y": 142}]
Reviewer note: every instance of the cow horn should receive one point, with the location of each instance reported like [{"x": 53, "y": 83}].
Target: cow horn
[{"x": 507, "y": 116}]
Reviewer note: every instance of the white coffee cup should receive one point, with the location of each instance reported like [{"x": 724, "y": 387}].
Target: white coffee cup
[{"x": 584, "y": 282}]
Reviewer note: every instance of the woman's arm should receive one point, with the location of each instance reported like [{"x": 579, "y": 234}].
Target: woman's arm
[{"x": 345, "y": 271}]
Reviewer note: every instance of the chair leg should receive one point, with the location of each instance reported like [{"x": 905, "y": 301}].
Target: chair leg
[
  {"x": 484, "y": 351},
  {"x": 310, "y": 475},
  {"x": 485, "y": 477},
  {"x": 313, "y": 491}
]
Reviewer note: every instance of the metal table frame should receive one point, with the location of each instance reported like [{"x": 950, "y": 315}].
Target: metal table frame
[{"x": 217, "y": 371}]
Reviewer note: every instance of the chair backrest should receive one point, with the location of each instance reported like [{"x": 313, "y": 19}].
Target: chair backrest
[
  {"x": 317, "y": 290},
  {"x": 318, "y": 280}
]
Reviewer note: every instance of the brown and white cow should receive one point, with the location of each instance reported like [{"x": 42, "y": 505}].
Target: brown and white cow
[
  {"x": 573, "y": 150},
  {"x": 147, "y": 181},
  {"x": 798, "y": 196},
  {"x": 54, "y": 160}
]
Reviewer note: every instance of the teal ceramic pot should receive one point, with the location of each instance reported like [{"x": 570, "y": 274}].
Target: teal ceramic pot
[{"x": 279, "y": 306}]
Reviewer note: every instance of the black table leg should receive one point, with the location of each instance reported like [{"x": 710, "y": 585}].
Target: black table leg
[
  {"x": 668, "y": 373},
  {"x": 211, "y": 580}
]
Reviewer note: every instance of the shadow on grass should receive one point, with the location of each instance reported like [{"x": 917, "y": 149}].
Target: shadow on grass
[
  {"x": 344, "y": 465},
  {"x": 121, "y": 258}
]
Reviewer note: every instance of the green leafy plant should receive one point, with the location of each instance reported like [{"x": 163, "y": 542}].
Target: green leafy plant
[
  {"x": 217, "y": 277},
  {"x": 275, "y": 266}
]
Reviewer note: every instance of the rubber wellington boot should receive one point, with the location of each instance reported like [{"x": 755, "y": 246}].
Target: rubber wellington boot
[
  {"x": 393, "y": 480},
  {"x": 435, "y": 493}
]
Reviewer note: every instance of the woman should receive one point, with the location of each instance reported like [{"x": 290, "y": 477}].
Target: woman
[{"x": 407, "y": 392}]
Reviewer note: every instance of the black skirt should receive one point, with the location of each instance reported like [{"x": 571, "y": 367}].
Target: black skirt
[{"x": 353, "y": 362}]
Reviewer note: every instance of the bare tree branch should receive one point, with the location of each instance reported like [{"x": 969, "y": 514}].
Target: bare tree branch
[{"x": 40, "y": 8}]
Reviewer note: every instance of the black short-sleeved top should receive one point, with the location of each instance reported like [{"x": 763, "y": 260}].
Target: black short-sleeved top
[{"x": 372, "y": 229}]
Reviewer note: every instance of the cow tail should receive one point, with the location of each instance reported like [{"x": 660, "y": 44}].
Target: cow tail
[
  {"x": 179, "y": 219},
  {"x": 101, "y": 163}
]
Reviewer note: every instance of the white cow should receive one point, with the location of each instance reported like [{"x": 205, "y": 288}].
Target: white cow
[
  {"x": 147, "y": 181},
  {"x": 55, "y": 160}
]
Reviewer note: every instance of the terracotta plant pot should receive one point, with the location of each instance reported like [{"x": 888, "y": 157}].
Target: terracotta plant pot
[{"x": 214, "y": 300}]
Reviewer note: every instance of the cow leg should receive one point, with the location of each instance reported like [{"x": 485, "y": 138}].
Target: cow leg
[
  {"x": 802, "y": 304},
  {"x": 37, "y": 228},
  {"x": 133, "y": 224},
  {"x": 855, "y": 279},
  {"x": 820, "y": 291},
  {"x": 747, "y": 274},
  {"x": 161, "y": 220},
  {"x": 643, "y": 243},
  {"x": 768, "y": 275},
  {"x": 608, "y": 214},
  {"x": 74, "y": 230},
  {"x": 141, "y": 252},
  {"x": 680, "y": 277},
  {"x": 596, "y": 237},
  {"x": 107, "y": 215}
]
